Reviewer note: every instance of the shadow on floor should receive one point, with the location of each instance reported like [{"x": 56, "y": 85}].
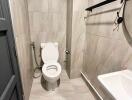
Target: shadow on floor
[{"x": 44, "y": 82}]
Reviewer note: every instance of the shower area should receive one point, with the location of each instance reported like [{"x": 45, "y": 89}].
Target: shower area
[{"x": 106, "y": 47}]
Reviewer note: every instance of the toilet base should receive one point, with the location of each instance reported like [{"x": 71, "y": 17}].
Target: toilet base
[{"x": 52, "y": 86}]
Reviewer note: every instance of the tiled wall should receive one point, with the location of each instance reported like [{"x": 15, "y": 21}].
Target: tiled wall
[
  {"x": 105, "y": 50},
  {"x": 78, "y": 36},
  {"x": 48, "y": 24},
  {"x": 69, "y": 35},
  {"x": 19, "y": 14}
]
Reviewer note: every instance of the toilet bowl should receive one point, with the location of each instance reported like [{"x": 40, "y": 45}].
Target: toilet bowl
[
  {"x": 51, "y": 69},
  {"x": 51, "y": 72}
]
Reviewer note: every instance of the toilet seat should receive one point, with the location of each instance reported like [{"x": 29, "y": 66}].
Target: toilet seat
[{"x": 51, "y": 70}]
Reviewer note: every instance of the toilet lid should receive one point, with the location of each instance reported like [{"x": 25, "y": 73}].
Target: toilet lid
[{"x": 50, "y": 52}]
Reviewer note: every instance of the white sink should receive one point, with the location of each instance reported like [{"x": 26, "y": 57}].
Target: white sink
[{"x": 119, "y": 84}]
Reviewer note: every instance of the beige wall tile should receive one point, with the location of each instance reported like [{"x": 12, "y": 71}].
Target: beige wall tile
[
  {"x": 78, "y": 37},
  {"x": 38, "y": 5},
  {"x": 19, "y": 14},
  {"x": 48, "y": 24},
  {"x": 80, "y": 5},
  {"x": 57, "y": 6}
]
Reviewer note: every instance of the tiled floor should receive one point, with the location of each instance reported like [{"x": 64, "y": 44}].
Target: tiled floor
[{"x": 74, "y": 89}]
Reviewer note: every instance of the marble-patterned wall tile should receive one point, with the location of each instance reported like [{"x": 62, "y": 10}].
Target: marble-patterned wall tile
[
  {"x": 48, "y": 25},
  {"x": 38, "y": 5},
  {"x": 20, "y": 22},
  {"x": 76, "y": 31},
  {"x": 57, "y": 6},
  {"x": 105, "y": 50},
  {"x": 103, "y": 18},
  {"x": 80, "y": 5},
  {"x": 78, "y": 37}
]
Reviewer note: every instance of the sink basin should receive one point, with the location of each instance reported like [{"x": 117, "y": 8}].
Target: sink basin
[{"x": 119, "y": 84}]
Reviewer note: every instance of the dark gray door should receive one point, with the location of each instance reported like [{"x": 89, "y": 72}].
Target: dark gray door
[{"x": 10, "y": 83}]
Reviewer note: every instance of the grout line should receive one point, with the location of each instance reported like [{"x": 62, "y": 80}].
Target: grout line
[{"x": 90, "y": 84}]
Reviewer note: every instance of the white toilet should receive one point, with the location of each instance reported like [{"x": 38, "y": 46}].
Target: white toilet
[{"x": 51, "y": 69}]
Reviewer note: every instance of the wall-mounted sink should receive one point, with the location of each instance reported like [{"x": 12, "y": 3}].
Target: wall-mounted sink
[{"x": 119, "y": 84}]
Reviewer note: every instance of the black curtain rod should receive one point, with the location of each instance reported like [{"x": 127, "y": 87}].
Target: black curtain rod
[{"x": 100, "y": 4}]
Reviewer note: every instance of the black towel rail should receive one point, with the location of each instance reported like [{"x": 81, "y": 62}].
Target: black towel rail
[{"x": 100, "y": 4}]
